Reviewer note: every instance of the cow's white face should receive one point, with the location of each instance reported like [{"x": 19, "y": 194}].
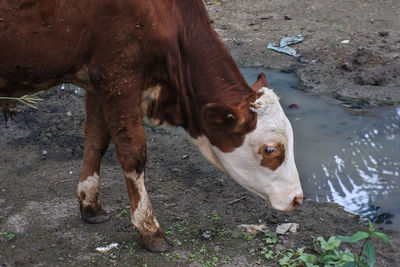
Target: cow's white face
[{"x": 264, "y": 164}]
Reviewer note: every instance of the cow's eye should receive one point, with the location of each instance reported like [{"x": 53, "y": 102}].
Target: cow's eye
[{"x": 270, "y": 149}]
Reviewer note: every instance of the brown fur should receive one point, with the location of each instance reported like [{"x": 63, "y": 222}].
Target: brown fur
[{"x": 116, "y": 49}]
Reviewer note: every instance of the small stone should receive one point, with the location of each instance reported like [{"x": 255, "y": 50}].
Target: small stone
[
  {"x": 346, "y": 66},
  {"x": 185, "y": 156},
  {"x": 207, "y": 234},
  {"x": 284, "y": 227},
  {"x": 69, "y": 114},
  {"x": 44, "y": 152},
  {"x": 384, "y": 33}
]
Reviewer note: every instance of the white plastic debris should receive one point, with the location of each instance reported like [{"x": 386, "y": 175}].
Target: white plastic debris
[
  {"x": 44, "y": 152},
  {"x": 284, "y": 46},
  {"x": 345, "y": 41},
  {"x": 254, "y": 228},
  {"x": 69, "y": 114},
  {"x": 107, "y": 248},
  {"x": 284, "y": 227}
]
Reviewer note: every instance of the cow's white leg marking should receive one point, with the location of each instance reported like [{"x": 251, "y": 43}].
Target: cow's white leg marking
[
  {"x": 88, "y": 189},
  {"x": 142, "y": 213}
]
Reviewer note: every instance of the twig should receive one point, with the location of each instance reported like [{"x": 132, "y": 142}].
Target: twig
[
  {"x": 360, "y": 255},
  {"x": 236, "y": 200},
  {"x": 63, "y": 182}
]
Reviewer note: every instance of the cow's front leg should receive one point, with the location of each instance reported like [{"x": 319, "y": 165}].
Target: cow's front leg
[
  {"x": 125, "y": 122},
  {"x": 97, "y": 138},
  {"x": 142, "y": 214}
]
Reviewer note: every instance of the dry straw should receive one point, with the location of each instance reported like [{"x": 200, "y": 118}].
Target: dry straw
[{"x": 29, "y": 100}]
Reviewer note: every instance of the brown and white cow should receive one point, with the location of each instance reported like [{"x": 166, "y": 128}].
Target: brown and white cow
[{"x": 155, "y": 58}]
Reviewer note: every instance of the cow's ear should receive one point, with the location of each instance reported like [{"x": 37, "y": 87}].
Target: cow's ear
[
  {"x": 260, "y": 83},
  {"x": 219, "y": 117}
]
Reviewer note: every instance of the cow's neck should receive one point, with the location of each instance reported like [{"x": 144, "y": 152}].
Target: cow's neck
[{"x": 208, "y": 73}]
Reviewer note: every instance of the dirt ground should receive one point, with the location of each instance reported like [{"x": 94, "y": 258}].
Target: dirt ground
[
  {"x": 197, "y": 205},
  {"x": 365, "y": 71}
]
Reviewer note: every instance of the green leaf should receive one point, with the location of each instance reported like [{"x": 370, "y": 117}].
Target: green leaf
[
  {"x": 331, "y": 244},
  {"x": 350, "y": 264},
  {"x": 307, "y": 258},
  {"x": 354, "y": 238},
  {"x": 347, "y": 256},
  {"x": 334, "y": 242},
  {"x": 328, "y": 257},
  {"x": 370, "y": 252},
  {"x": 285, "y": 260},
  {"x": 382, "y": 236}
]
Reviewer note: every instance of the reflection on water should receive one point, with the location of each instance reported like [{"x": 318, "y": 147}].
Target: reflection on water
[{"x": 351, "y": 158}]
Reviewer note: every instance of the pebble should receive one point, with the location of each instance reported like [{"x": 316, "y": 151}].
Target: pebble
[
  {"x": 384, "y": 33},
  {"x": 207, "y": 234},
  {"x": 284, "y": 227}
]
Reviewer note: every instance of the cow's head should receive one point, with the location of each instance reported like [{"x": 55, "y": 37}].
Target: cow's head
[{"x": 264, "y": 162}]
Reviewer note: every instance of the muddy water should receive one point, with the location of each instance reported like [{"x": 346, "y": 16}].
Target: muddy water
[{"x": 344, "y": 156}]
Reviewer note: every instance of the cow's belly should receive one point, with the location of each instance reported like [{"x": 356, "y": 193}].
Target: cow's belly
[{"x": 20, "y": 87}]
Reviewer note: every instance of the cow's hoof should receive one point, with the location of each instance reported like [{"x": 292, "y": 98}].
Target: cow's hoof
[
  {"x": 156, "y": 243},
  {"x": 94, "y": 216}
]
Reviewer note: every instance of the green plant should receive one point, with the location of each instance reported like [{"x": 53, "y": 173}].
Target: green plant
[
  {"x": 212, "y": 262},
  {"x": 328, "y": 253},
  {"x": 203, "y": 249},
  {"x": 250, "y": 237},
  {"x": 227, "y": 260},
  {"x": 9, "y": 236},
  {"x": 169, "y": 232},
  {"x": 213, "y": 217},
  {"x": 366, "y": 256},
  {"x": 270, "y": 238}
]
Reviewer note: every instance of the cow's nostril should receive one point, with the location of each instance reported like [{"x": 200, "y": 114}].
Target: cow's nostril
[{"x": 297, "y": 201}]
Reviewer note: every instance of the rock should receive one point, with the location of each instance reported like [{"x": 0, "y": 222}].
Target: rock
[
  {"x": 284, "y": 227},
  {"x": 373, "y": 77},
  {"x": 347, "y": 67},
  {"x": 207, "y": 234},
  {"x": 253, "y": 229},
  {"x": 383, "y": 33}
]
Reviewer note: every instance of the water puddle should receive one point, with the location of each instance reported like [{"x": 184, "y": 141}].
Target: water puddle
[{"x": 343, "y": 156}]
